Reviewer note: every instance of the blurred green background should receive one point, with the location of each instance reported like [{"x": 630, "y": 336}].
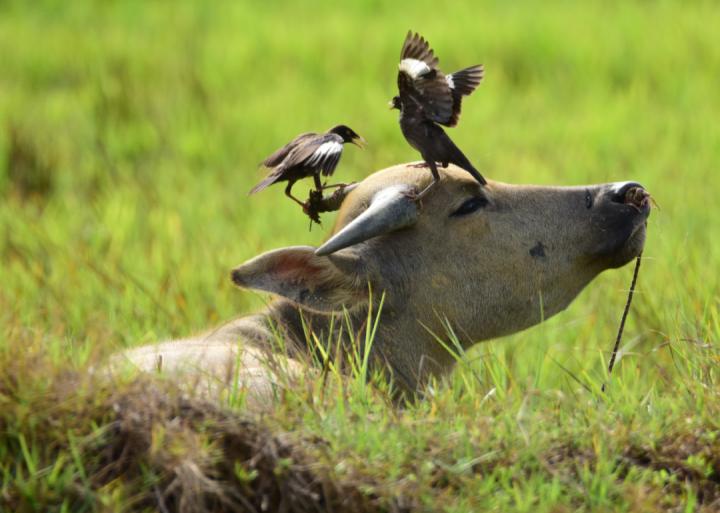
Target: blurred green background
[{"x": 130, "y": 133}]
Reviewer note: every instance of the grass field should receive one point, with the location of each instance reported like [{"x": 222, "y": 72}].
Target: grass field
[{"x": 130, "y": 133}]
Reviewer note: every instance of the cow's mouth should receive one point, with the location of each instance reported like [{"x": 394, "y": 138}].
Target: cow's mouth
[{"x": 624, "y": 221}]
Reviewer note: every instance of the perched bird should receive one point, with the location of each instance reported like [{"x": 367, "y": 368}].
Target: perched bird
[
  {"x": 427, "y": 98},
  {"x": 308, "y": 154}
]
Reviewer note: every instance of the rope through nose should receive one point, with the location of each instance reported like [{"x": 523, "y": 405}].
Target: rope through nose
[{"x": 624, "y": 317}]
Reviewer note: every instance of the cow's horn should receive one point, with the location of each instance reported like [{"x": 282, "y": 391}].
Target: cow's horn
[{"x": 389, "y": 210}]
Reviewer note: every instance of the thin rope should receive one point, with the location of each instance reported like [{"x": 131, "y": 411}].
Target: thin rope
[{"x": 624, "y": 317}]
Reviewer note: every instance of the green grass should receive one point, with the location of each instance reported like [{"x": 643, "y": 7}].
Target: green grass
[{"x": 130, "y": 133}]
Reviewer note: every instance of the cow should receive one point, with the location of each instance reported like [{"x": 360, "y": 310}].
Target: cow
[{"x": 481, "y": 260}]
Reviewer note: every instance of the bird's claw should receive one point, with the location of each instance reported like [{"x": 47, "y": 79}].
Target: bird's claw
[
  {"x": 311, "y": 206},
  {"x": 337, "y": 186},
  {"x": 414, "y": 196},
  {"x": 317, "y": 203}
]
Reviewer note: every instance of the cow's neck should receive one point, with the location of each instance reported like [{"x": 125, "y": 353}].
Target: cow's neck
[{"x": 409, "y": 367}]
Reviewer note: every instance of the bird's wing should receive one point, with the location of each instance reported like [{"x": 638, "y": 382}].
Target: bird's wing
[
  {"x": 331, "y": 160},
  {"x": 416, "y": 48},
  {"x": 322, "y": 153},
  {"x": 420, "y": 78},
  {"x": 462, "y": 83},
  {"x": 279, "y": 155}
]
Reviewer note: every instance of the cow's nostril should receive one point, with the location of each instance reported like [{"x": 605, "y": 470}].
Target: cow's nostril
[
  {"x": 637, "y": 197},
  {"x": 619, "y": 191},
  {"x": 631, "y": 194}
]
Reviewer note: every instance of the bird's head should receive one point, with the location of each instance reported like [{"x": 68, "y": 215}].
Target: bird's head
[
  {"x": 395, "y": 103},
  {"x": 348, "y": 135}
]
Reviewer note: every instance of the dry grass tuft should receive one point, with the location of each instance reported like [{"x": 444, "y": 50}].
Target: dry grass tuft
[
  {"x": 144, "y": 444},
  {"x": 692, "y": 457}
]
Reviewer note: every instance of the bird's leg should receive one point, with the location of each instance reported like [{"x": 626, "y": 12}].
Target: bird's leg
[
  {"x": 334, "y": 185},
  {"x": 318, "y": 183},
  {"x": 436, "y": 179},
  {"x": 288, "y": 193},
  {"x": 434, "y": 170}
]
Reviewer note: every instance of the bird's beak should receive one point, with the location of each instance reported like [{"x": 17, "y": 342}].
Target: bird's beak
[
  {"x": 391, "y": 106},
  {"x": 359, "y": 142}
]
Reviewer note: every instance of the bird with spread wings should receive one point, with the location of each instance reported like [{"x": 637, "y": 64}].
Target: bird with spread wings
[{"x": 428, "y": 98}]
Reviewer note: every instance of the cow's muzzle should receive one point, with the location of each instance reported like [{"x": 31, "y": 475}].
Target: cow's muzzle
[{"x": 632, "y": 194}]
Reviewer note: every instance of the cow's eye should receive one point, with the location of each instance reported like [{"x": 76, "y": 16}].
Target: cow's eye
[{"x": 470, "y": 205}]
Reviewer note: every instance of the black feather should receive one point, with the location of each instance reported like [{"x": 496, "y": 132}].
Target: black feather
[
  {"x": 428, "y": 98},
  {"x": 464, "y": 83}
]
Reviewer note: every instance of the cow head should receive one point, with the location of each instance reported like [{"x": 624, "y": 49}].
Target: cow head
[{"x": 490, "y": 259}]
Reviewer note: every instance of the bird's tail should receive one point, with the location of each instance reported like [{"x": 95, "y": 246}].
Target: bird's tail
[
  {"x": 269, "y": 180},
  {"x": 459, "y": 159}
]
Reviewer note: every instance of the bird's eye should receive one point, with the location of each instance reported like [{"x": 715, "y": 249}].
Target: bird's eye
[{"x": 470, "y": 205}]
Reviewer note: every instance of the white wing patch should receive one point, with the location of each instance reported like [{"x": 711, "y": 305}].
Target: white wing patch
[
  {"x": 450, "y": 81},
  {"x": 414, "y": 67},
  {"x": 330, "y": 148}
]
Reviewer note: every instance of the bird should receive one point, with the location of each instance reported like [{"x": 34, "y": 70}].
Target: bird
[
  {"x": 427, "y": 98},
  {"x": 308, "y": 154}
]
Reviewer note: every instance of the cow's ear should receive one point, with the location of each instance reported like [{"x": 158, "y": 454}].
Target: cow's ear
[{"x": 320, "y": 283}]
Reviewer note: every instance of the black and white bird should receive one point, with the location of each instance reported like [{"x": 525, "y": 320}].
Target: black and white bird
[
  {"x": 307, "y": 155},
  {"x": 428, "y": 98}
]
